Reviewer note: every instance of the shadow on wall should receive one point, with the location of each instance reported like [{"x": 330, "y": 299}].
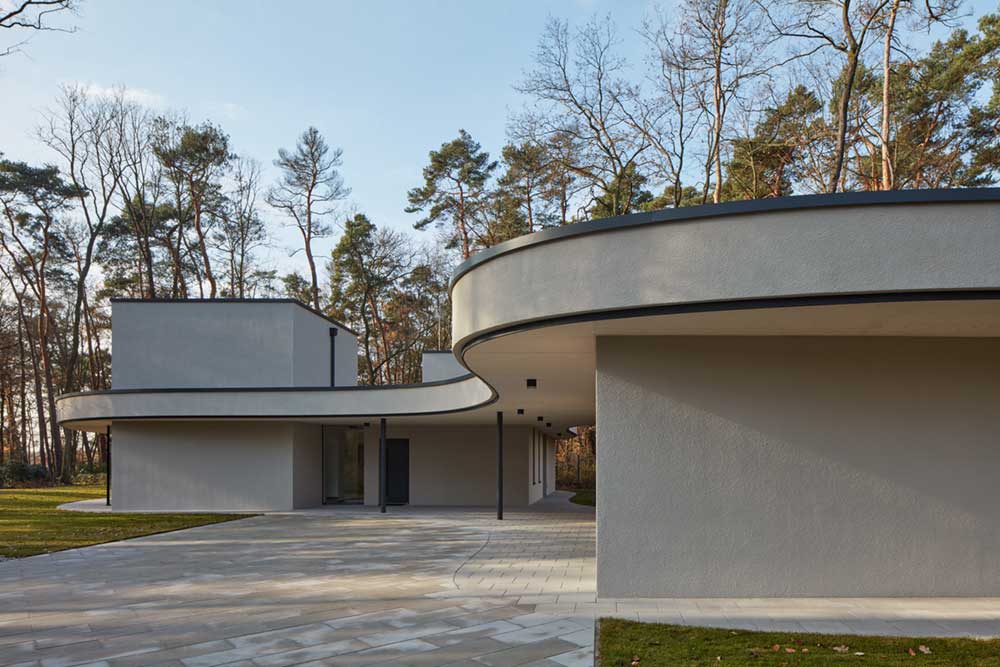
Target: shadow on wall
[{"x": 896, "y": 416}]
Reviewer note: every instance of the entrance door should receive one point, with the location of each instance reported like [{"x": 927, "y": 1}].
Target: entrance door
[{"x": 397, "y": 483}]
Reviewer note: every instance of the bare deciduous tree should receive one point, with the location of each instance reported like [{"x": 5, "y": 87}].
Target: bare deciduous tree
[
  {"x": 307, "y": 192},
  {"x": 578, "y": 90},
  {"x": 32, "y": 16},
  {"x": 242, "y": 231},
  {"x": 669, "y": 118},
  {"x": 81, "y": 130},
  {"x": 844, "y": 26}
]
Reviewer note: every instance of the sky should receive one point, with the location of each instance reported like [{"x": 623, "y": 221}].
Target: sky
[{"x": 385, "y": 81}]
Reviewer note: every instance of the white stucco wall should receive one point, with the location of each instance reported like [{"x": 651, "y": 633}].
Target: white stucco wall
[
  {"x": 208, "y": 344},
  {"x": 201, "y": 466},
  {"x": 798, "y": 467},
  {"x": 455, "y": 465}
]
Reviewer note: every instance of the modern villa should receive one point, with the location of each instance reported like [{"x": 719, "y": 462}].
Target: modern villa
[{"x": 793, "y": 397}]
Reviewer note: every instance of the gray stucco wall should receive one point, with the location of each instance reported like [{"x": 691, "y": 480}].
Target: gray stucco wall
[
  {"x": 798, "y": 467},
  {"x": 201, "y": 345},
  {"x": 201, "y": 466},
  {"x": 455, "y": 465},
  {"x": 311, "y": 355},
  {"x": 225, "y": 344},
  {"x": 307, "y": 465},
  {"x": 215, "y": 466}
]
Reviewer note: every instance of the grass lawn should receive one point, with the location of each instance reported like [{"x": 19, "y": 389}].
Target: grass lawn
[
  {"x": 30, "y": 524},
  {"x": 654, "y": 645},
  {"x": 585, "y": 497}
]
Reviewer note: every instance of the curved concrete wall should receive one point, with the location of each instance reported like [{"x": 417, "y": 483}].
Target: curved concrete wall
[{"x": 811, "y": 251}]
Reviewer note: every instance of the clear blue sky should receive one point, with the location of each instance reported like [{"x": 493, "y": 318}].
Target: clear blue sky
[{"x": 386, "y": 81}]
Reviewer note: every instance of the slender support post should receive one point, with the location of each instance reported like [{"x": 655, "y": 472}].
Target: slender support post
[
  {"x": 333, "y": 356},
  {"x": 545, "y": 465},
  {"x": 107, "y": 477},
  {"x": 383, "y": 465},
  {"x": 322, "y": 464},
  {"x": 500, "y": 466}
]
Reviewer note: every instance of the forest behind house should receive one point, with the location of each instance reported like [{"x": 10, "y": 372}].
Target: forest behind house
[{"x": 734, "y": 100}]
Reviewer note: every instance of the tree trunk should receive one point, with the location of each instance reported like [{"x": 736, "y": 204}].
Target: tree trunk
[
  {"x": 313, "y": 279},
  {"x": 3, "y": 398},
  {"x": 843, "y": 107},
  {"x": 56, "y": 440},
  {"x": 203, "y": 245},
  {"x": 887, "y": 172},
  {"x": 717, "y": 125},
  {"x": 462, "y": 227}
]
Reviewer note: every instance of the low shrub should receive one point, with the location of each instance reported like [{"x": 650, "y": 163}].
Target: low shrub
[
  {"x": 19, "y": 473},
  {"x": 89, "y": 478}
]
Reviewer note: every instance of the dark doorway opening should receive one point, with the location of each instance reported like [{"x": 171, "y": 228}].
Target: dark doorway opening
[
  {"x": 397, "y": 483},
  {"x": 343, "y": 465}
]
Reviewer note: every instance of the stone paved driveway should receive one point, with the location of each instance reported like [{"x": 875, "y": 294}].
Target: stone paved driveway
[
  {"x": 351, "y": 587},
  {"x": 329, "y": 587}
]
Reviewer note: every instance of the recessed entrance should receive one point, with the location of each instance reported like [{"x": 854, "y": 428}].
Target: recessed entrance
[
  {"x": 397, "y": 483},
  {"x": 343, "y": 465}
]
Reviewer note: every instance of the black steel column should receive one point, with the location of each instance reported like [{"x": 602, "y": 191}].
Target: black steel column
[
  {"x": 107, "y": 476},
  {"x": 545, "y": 465},
  {"x": 333, "y": 356},
  {"x": 322, "y": 463},
  {"x": 383, "y": 464},
  {"x": 500, "y": 465}
]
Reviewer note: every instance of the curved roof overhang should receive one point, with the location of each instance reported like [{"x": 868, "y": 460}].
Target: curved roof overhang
[
  {"x": 94, "y": 411},
  {"x": 912, "y": 263},
  {"x": 906, "y": 263}
]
